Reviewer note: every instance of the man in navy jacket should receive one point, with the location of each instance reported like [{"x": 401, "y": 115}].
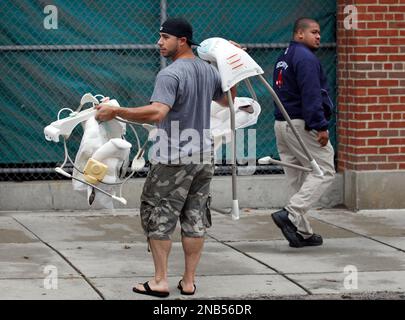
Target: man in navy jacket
[{"x": 301, "y": 85}]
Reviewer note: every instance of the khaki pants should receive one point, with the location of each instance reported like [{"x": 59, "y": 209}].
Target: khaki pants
[{"x": 306, "y": 188}]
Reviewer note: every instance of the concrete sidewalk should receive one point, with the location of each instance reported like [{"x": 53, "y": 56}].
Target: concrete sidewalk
[{"x": 101, "y": 255}]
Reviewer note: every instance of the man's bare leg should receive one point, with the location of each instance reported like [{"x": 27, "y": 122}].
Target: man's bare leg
[
  {"x": 192, "y": 248},
  {"x": 160, "y": 252}
]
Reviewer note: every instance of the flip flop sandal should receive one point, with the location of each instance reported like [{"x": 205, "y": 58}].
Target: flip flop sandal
[
  {"x": 180, "y": 287},
  {"x": 148, "y": 291}
]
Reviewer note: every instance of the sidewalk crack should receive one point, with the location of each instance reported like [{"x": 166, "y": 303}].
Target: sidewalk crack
[
  {"x": 360, "y": 234},
  {"x": 264, "y": 264},
  {"x": 64, "y": 258}
]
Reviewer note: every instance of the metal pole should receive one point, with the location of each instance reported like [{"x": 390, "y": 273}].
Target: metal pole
[
  {"x": 235, "y": 202},
  {"x": 314, "y": 165},
  {"x": 163, "y": 18},
  {"x": 250, "y": 88},
  {"x": 284, "y": 164},
  {"x": 84, "y": 47}
]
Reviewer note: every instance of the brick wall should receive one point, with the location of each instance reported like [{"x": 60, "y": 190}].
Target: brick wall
[{"x": 371, "y": 82}]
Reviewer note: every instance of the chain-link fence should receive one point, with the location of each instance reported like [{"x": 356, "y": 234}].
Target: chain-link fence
[{"x": 52, "y": 52}]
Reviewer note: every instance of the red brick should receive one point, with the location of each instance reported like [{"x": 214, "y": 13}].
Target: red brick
[
  {"x": 388, "y": 1},
  {"x": 357, "y": 108},
  {"x": 377, "y": 158},
  {"x": 367, "y": 133},
  {"x": 397, "y": 91},
  {"x": 365, "y": 16},
  {"x": 390, "y": 99},
  {"x": 357, "y": 91},
  {"x": 366, "y": 33},
  {"x": 349, "y": 42},
  {"x": 388, "y": 49},
  {"x": 399, "y": 66},
  {"x": 377, "y": 58},
  {"x": 399, "y": 158},
  {"x": 400, "y": 141},
  {"x": 397, "y": 75},
  {"x": 356, "y": 142},
  {"x": 365, "y": 166},
  {"x": 400, "y": 124},
  {"x": 357, "y": 74},
  {"x": 387, "y": 166},
  {"x": 388, "y": 33},
  {"x": 377, "y": 91},
  {"x": 401, "y": 166},
  {"x": 356, "y": 158},
  {"x": 396, "y": 116},
  {"x": 378, "y": 8},
  {"x": 349, "y": 166},
  {"x": 397, "y": 9},
  {"x": 377, "y": 41},
  {"x": 363, "y": 66},
  {"x": 388, "y": 83},
  {"x": 377, "y": 25},
  {"x": 397, "y": 57},
  {"x": 395, "y": 41},
  {"x": 387, "y": 116},
  {"x": 366, "y": 150},
  {"x": 377, "y": 142},
  {"x": 358, "y": 57},
  {"x": 379, "y": 16},
  {"x": 361, "y": 100},
  {"x": 378, "y": 66},
  {"x": 388, "y": 150},
  {"x": 378, "y": 75},
  {"x": 367, "y": 50},
  {"x": 365, "y": 83},
  {"x": 397, "y": 25},
  {"x": 350, "y": 50},
  {"x": 350, "y": 149},
  {"x": 377, "y": 108},
  {"x": 357, "y": 124},
  {"x": 377, "y": 125},
  {"x": 388, "y": 133}
]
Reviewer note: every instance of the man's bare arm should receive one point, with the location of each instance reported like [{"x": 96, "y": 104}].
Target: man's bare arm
[{"x": 152, "y": 113}]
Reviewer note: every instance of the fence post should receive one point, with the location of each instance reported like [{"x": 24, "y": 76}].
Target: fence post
[{"x": 163, "y": 17}]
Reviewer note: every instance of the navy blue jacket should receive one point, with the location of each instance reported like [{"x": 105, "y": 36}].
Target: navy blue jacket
[{"x": 301, "y": 85}]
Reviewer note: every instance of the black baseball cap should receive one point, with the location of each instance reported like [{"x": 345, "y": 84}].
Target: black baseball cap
[{"x": 178, "y": 27}]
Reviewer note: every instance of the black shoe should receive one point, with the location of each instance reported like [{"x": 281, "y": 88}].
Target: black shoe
[
  {"x": 288, "y": 229},
  {"x": 314, "y": 240}
]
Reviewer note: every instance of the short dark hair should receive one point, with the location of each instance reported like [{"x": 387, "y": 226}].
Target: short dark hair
[{"x": 302, "y": 24}]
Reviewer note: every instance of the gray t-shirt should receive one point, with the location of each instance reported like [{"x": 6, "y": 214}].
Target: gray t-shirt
[{"x": 187, "y": 86}]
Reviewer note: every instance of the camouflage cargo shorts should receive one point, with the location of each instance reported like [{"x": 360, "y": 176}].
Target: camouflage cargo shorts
[{"x": 173, "y": 192}]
